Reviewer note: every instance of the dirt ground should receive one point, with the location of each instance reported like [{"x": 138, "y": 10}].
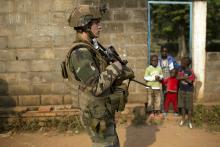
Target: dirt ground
[{"x": 167, "y": 135}]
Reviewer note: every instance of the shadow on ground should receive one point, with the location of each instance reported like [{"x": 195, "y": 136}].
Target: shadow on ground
[{"x": 137, "y": 127}]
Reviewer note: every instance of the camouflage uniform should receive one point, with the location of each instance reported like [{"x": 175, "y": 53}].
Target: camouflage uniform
[{"x": 95, "y": 77}]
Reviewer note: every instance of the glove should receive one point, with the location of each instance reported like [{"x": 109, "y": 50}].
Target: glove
[{"x": 127, "y": 73}]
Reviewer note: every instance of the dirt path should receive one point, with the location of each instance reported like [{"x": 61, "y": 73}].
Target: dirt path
[{"x": 167, "y": 135}]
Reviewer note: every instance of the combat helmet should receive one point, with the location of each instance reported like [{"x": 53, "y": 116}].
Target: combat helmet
[{"x": 82, "y": 16}]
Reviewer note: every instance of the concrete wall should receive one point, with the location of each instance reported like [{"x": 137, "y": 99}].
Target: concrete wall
[
  {"x": 34, "y": 38},
  {"x": 212, "y": 86}
]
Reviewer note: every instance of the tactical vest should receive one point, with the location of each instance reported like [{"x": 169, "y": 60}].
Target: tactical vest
[{"x": 97, "y": 107}]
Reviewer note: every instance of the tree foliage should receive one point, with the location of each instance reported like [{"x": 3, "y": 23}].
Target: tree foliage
[
  {"x": 171, "y": 24},
  {"x": 213, "y": 20},
  {"x": 169, "y": 20}
]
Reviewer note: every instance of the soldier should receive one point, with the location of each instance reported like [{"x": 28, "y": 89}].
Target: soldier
[{"x": 101, "y": 89}]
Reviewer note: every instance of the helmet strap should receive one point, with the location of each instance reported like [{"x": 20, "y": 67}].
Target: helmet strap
[{"x": 90, "y": 33}]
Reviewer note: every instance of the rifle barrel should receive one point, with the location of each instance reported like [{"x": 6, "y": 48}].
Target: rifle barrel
[{"x": 140, "y": 83}]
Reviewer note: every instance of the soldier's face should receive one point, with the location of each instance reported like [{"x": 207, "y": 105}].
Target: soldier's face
[{"x": 96, "y": 28}]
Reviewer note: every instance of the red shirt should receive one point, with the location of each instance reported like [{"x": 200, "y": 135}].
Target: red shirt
[{"x": 171, "y": 84}]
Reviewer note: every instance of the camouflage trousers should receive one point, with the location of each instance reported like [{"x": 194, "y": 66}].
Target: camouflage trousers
[{"x": 106, "y": 138}]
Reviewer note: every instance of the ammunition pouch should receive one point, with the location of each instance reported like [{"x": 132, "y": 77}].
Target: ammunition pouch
[{"x": 119, "y": 98}]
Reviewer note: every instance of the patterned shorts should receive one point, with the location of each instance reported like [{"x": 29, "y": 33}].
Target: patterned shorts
[{"x": 185, "y": 99}]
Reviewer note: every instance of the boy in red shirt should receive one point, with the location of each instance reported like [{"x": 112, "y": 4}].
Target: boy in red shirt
[{"x": 171, "y": 84}]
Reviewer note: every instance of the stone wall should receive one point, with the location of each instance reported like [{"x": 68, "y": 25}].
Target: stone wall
[
  {"x": 212, "y": 83},
  {"x": 35, "y": 36}
]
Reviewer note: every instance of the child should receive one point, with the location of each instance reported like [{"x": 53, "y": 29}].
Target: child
[
  {"x": 171, "y": 84},
  {"x": 153, "y": 75},
  {"x": 185, "y": 94}
]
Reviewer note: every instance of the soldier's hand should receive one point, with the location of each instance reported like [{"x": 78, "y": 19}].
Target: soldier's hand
[{"x": 128, "y": 72}]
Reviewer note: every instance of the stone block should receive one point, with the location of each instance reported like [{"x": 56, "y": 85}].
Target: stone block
[
  {"x": 212, "y": 86},
  {"x": 58, "y": 88},
  {"x": 115, "y": 3},
  {"x": 51, "y": 100},
  {"x": 68, "y": 99},
  {"x": 58, "y": 17},
  {"x": 139, "y": 15},
  {"x": 3, "y": 77},
  {"x": 16, "y": 18},
  {"x": 141, "y": 63},
  {"x": 137, "y": 98},
  {"x": 18, "y": 66},
  {"x": 8, "y": 101},
  {"x": 3, "y": 87},
  {"x": 41, "y": 77},
  {"x": 58, "y": 41},
  {"x": 29, "y": 100},
  {"x": 119, "y": 38},
  {"x": 139, "y": 74},
  {"x": 24, "y": 77},
  {"x": 135, "y": 27},
  {"x": 7, "y": 30},
  {"x": 211, "y": 97},
  {"x": 113, "y": 27},
  {"x": 132, "y": 87},
  {"x": 18, "y": 42},
  {"x": 56, "y": 76},
  {"x": 2, "y": 19},
  {"x": 131, "y": 4},
  {"x": 19, "y": 89},
  {"x": 7, "y": 55},
  {"x": 6, "y": 6},
  {"x": 42, "y": 88},
  {"x": 55, "y": 65},
  {"x": 89, "y": 2},
  {"x": 26, "y": 31},
  {"x": 213, "y": 66},
  {"x": 46, "y": 53},
  {"x": 45, "y": 6},
  {"x": 120, "y": 15},
  {"x": 3, "y": 42},
  {"x": 59, "y": 30},
  {"x": 142, "y": 3},
  {"x": 60, "y": 53},
  {"x": 25, "y": 5},
  {"x": 45, "y": 108},
  {"x": 136, "y": 50},
  {"x": 136, "y": 39},
  {"x": 41, "y": 42},
  {"x": 40, "y": 65},
  {"x": 107, "y": 16},
  {"x": 212, "y": 76},
  {"x": 63, "y": 5},
  {"x": 12, "y": 78},
  {"x": 27, "y": 54},
  {"x": 44, "y": 21},
  {"x": 2, "y": 67},
  {"x": 213, "y": 56}
]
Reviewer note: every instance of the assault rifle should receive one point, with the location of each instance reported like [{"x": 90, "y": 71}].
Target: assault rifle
[{"x": 112, "y": 56}]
